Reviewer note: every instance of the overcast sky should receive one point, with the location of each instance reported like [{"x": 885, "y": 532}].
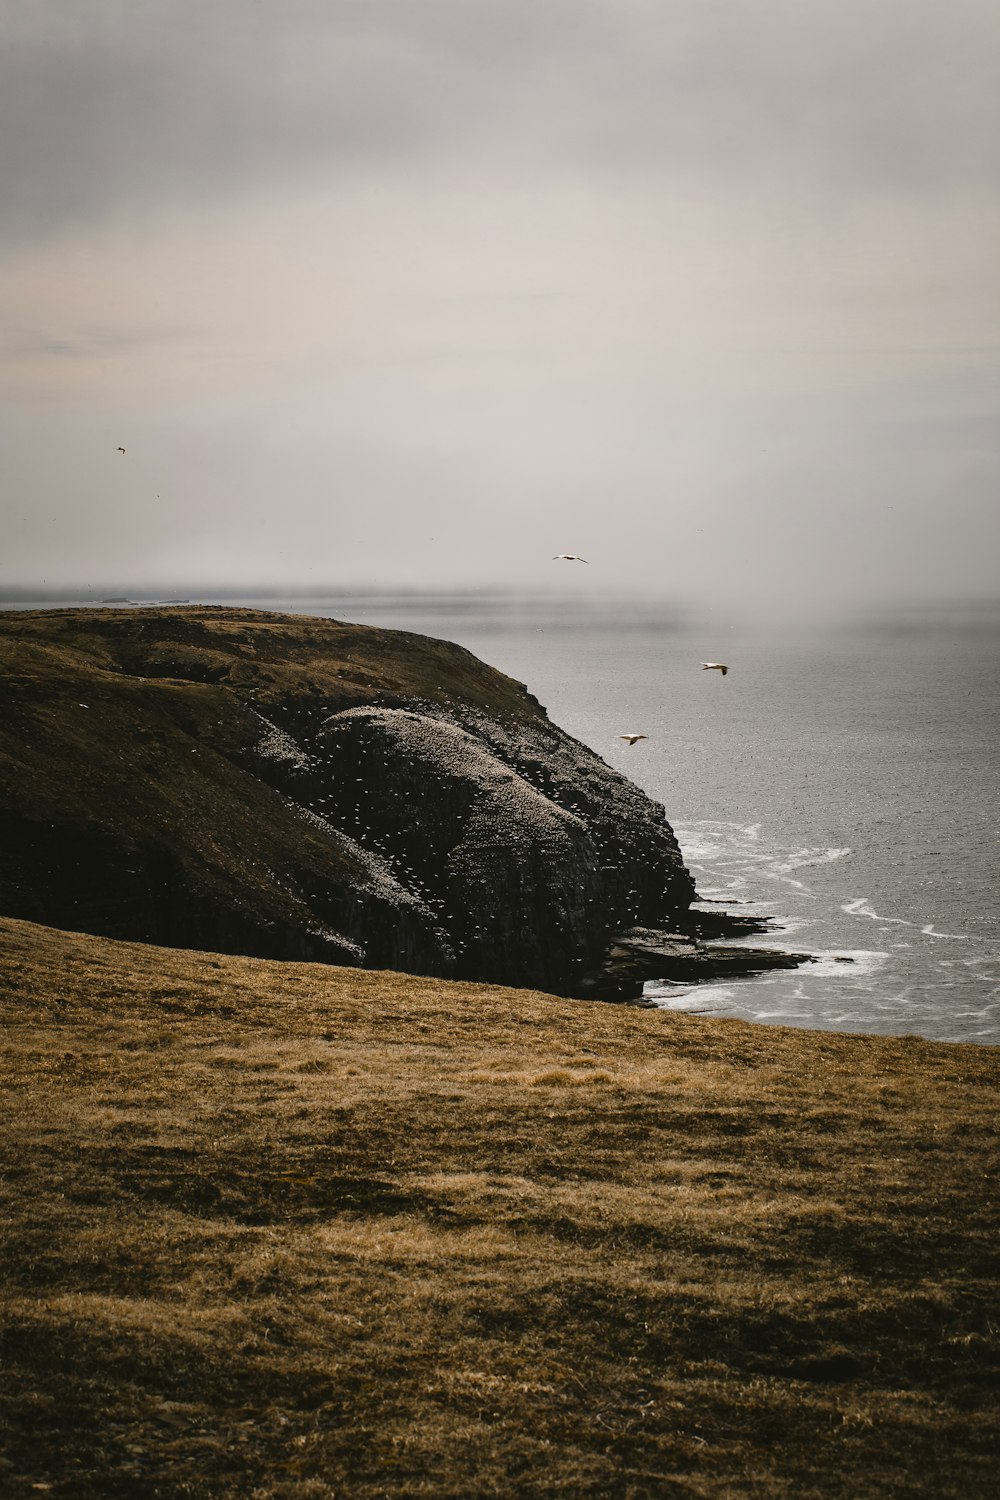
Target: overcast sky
[{"x": 407, "y": 292}]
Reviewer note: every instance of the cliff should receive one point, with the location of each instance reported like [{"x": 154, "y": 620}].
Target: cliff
[{"x": 301, "y": 788}]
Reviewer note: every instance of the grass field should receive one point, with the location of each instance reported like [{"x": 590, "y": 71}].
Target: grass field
[{"x": 284, "y": 1230}]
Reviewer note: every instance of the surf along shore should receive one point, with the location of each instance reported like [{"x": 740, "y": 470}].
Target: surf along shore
[{"x": 280, "y": 1229}]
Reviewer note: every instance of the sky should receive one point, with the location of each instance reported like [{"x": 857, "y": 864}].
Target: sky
[{"x": 417, "y": 293}]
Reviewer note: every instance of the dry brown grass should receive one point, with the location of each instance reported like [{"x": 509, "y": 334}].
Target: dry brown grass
[{"x": 280, "y": 1230}]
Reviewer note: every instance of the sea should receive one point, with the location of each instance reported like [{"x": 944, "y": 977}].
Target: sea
[{"x": 840, "y": 780}]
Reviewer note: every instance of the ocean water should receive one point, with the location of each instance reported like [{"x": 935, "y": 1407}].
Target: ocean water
[{"x": 841, "y": 781}]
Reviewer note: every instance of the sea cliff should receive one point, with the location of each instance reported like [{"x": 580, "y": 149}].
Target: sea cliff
[{"x": 297, "y": 788}]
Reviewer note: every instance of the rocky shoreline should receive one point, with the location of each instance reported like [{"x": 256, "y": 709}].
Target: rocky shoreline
[
  {"x": 285, "y": 787},
  {"x": 641, "y": 953}
]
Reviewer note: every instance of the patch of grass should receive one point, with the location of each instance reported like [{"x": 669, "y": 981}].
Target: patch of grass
[{"x": 284, "y": 1230}]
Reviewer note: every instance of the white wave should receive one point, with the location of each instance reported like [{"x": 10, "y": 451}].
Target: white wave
[
  {"x": 779, "y": 868},
  {"x": 860, "y": 907},
  {"x": 788, "y": 925},
  {"x": 737, "y": 847},
  {"x": 847, "y": 963},
  {"x": 798, "y": 885},
  {"x": 682, "y": 997},
  {"x": 695, "y": 848},
  {"x": 709, "y": 838},
  {"x": 826, "y": 963},
  {"x": 805, "y": 857},
  {"x": 717, "y": 893}
]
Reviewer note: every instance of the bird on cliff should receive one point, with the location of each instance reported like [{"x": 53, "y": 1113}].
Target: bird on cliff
[
  {"x": 632, "y": 738},
  {"x": 569, "y": 557},
  {"x": 714, "y": 666}
]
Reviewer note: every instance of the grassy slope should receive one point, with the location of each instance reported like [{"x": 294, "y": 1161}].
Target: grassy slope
[
  {"x": 290, "y": 1230},
  {"x": 270, "y": 656}
]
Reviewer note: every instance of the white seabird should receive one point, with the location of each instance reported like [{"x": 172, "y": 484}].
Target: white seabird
[
  {"x": 632, "y": 737},
  {"x": 569, "y": 557},
  {"x": 714, "y": 666}
]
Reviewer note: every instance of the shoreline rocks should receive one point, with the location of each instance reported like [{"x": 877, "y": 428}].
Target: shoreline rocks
[{"x": 642, "y": 954}]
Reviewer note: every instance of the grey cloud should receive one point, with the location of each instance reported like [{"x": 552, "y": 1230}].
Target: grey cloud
[
  {"x": 113, "y": 104},
  {"x": 120, "y": 102},
  {"x": 872, "y": 95}
]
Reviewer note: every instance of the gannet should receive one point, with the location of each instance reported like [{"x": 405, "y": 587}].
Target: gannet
[
  {"x": 632, "y": 737},
  {"x": 714, "y": 666},
  {"x": 569, "y": 557}
]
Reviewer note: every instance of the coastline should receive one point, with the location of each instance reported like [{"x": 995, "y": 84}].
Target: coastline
[
  {"x": 296, "y": 1230},
  {"x": 301, "y": 788},
  {"x": 863, "y": 844}
]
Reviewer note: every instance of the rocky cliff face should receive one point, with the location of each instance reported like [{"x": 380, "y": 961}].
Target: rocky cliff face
[
  {"x": 524, "y": 845},
  {"x": 290, "y": 787}
]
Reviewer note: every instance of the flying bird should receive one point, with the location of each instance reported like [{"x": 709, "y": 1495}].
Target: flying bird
[
  {"x": 121, "y": 450},
  {"x": 714, "y": 666},
  {"x": 632, "y": 738},
  {"x": 569, "y": 557}
]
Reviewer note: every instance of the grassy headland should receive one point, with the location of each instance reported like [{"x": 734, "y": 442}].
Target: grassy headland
[
  {"x": 295, "y": 788},
  {"x": 288, "y": 1230}
]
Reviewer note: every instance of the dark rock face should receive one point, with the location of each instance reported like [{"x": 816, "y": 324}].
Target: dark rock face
[
  {"x": 514, "y": 879},
  {"x": 287, "y": 787},
  {"x": 641, "y": 953},
  {"x": 524, "y": 848}
]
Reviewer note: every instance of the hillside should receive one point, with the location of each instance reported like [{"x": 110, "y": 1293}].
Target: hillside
[
  {"x": 300, "y": 1232},
  {"x": 299, "y": 788}
]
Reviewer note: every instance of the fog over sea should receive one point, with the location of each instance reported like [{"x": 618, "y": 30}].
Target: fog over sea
[{"x": 842, "y": 780}]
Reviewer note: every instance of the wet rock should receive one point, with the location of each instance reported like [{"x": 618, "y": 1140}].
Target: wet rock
[{"x": 638, "y": 955}]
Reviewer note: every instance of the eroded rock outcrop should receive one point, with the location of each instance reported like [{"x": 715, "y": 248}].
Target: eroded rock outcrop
[
  {"x": 639, "y": 954},
  {"x": 513, "y": 878}
]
